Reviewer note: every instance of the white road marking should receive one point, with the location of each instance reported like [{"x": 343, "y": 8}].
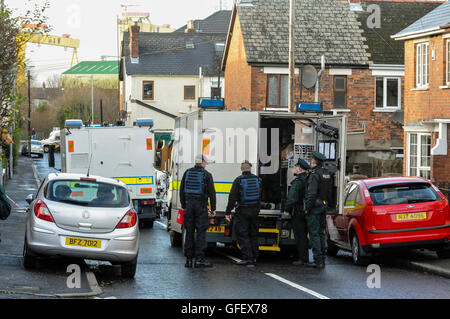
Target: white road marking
[
  {"x": 232, "y": 258},
  {"x": 163, "y": 225},
  {"x": 297, "y": 286}
]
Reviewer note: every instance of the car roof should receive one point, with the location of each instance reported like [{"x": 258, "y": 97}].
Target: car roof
[
  {"x": 371, "y": 182},
  {"x": 101, "y": 179}
]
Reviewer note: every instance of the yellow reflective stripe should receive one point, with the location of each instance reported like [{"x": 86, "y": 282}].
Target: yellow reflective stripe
[
  {"x": 219, "y": 187},
  {"x": 145, "y": 180}
]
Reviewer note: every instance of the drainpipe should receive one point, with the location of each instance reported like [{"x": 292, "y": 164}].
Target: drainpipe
[
  {"x": 200, "y": 79},
  {"x": 363, "y": 129},
  {"x": 316, "y": 99}
]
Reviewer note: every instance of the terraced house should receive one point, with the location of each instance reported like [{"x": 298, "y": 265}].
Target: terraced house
[
  {"x": 363, "y": 75},
  {"x": 427, "y": 96}
]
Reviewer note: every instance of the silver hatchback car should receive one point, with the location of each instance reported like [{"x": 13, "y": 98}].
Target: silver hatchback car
[{"x": 81, "y": 216}]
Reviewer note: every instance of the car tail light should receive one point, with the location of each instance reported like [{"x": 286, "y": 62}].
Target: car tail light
[
  {"x": 129, "y": 220},
  {"x": 42, "y": 212},
  {"x": 87, "y": 179}
]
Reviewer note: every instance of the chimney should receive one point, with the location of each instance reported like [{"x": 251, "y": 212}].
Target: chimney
[
  {"x": 134, "y": 43},
  {"x": 190, "y": 27}
]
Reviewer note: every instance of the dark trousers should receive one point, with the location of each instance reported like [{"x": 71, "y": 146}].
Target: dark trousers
[
  {"x": 316, "y": 222},
  {"x": 246, "y": 227},
  {"x": 195, "y": 217},
  {"x": 299, "y": 226}
]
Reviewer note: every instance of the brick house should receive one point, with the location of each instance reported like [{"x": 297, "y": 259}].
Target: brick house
[
  {"x": 363, "y": 75},
  {"x": 427, "y": 96}
]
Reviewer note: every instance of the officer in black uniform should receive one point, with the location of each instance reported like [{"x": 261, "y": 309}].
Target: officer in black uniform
[
  {"x": 246, "y": 193},
  {"x": 315, "y": 210},
  {"x": 196, "y": 187},
  {"x": 294, "y": 207}
]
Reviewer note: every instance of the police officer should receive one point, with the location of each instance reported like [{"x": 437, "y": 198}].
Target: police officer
[
  {"x": 294, "y": 207},
  {"x": 315, "y": 210},
  {"x": 196, "y": 187},
  {"x": 246, "y": 193}
]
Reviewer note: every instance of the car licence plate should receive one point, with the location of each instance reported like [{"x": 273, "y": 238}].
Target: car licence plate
[
  {"x": 83, "y": 242},
  {"x": 216, "y": 229},
  {"x": 411, "y": 216}
]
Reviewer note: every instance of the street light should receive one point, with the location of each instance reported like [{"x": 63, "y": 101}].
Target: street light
[{"x": 92, "y": 95}]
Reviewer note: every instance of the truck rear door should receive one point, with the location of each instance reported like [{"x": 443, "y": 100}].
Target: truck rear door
[{"x": 229, "y": 138}]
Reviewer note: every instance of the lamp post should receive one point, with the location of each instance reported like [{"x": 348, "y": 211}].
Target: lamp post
[{"x": 92, "y": 95}]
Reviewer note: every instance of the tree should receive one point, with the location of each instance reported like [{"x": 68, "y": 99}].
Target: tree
[{"x": 12, "y": 57}]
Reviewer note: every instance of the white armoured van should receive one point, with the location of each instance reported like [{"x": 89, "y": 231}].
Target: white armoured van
[
  {"x": 272, "y": 142},
  {"x": 120, "y": 152}
]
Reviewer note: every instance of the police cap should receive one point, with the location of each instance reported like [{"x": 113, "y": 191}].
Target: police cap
[
  {"x": 318, "y": 156},
  {"x": 303, "y": 164}
]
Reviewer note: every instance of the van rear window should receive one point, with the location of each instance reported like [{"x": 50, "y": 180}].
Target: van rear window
[{"x": 405, "y": 193}]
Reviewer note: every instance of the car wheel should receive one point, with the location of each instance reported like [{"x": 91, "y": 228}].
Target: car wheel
[
  {"x": 149, "y": 223},
  {"x": 175, "y": 239},
  {"x": 332, "y": 249},
  {"x": 444, "y": 253},
  {"x": 46, "y": 148},
  {"x": 129, "y": 269},
  {"x": 30, "y": 261},
  {"x": 357, "y": 253}
]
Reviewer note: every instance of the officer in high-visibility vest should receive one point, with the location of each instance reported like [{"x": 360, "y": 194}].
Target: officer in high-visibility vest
[
  {"x": 196, "y": 187},
  {"x": 315, "y": 209},
  {"x": 245, "y": 195},
  {"x": 294, "y": 207}
]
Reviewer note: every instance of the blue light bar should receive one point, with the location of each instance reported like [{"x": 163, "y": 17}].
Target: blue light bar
[
  {"x": 74, "y": 123},
  {"x": 310, "y": 107},
  {"x": 211, "y": 103},
  {"x": 144, "y": 122}
]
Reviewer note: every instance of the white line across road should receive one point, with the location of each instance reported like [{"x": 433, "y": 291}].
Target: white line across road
[
  {"x": 287, "y": 282},
  {"x": 297, "y": 286}
]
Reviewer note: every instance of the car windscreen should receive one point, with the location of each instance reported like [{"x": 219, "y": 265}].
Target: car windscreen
[
  {"x": 404, "y": 193},
  {"x": 87, "y": 193},
  {"x": 36, "y": 143}
]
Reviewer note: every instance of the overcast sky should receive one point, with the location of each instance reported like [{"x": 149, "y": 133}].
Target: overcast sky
[{"x": 93, "y": 22}]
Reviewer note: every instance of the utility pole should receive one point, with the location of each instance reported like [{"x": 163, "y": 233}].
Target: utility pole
[
  {"x": 29, "y": 113},
  {"x": 291, "y": 56},
  {"x": 92, "y": 100}
]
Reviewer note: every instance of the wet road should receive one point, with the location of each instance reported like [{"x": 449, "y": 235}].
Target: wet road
[{"x": 161, "y": 272}]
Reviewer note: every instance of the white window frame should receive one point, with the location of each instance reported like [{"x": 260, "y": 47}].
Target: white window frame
[
  {"x": 421, "y": 65},
  {"x": 399, "y": 94},
  {"x": 447, "y": 62},
  {"x": 418, "y": 155}
]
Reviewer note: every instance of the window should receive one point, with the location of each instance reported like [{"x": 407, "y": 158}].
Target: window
[
  {"x": 447, "y": 63},
  {"x": 422, "y": 65},
  {"x": 148, "y": 90},
  {"x": 353, "y": 197},
  {"x": 419, "y": 155},
  {"x": 388, "y": 92},
  {"x": 278, "y": 90},
  {"x": 216, "y": 93},
  {"x": 340, "y": 91},
  {"x": 189, "y": 92},
  {"x": 405, "y": 193}
]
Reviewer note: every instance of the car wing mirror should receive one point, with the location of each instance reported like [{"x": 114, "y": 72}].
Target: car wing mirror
[{"x": 29, "y": 198}]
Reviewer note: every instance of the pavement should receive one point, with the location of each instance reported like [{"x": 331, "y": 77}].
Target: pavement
[{"x": 15, "y": 281}]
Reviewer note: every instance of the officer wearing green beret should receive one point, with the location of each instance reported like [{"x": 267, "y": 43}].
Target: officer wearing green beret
[
  {"x": 315, "y": 210},
  {"x": 294, "y": 207}
]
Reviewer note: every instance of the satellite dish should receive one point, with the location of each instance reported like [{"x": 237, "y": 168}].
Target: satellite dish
[{"x": 309, "y": 76}]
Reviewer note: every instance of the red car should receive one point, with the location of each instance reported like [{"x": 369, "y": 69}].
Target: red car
[{"x": 385, "y": 213}]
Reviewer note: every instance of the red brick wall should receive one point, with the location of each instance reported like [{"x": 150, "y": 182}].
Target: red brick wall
[
  {"x": 238, "y": 73},
  {"x": 360, "y": 100},
  {"x": 433, "y": 103}
]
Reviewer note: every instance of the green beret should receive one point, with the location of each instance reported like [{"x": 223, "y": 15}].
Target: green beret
[
  {"x": 303, "y": 164},
  {"x": 318, "y": 156}
]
